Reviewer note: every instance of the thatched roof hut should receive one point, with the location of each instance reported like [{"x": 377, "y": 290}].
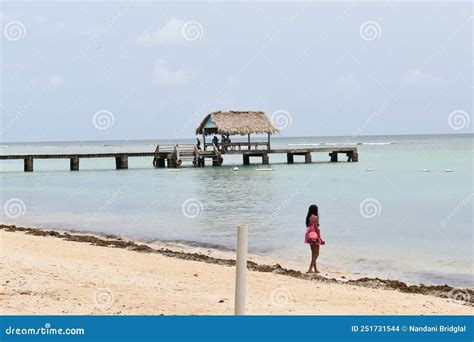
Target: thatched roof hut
[{"x": 236, "y": 123}]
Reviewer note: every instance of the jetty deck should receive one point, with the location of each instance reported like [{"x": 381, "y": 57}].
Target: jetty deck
[
  {"x": 225, "y": 124},
  {"x": 174, "y": 155}
]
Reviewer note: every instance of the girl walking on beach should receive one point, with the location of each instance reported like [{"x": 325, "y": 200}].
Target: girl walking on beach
[{"x": 313, "y": 236}]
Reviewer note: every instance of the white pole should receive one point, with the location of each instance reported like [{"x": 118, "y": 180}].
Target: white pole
[{"x": 241, "y": 270}]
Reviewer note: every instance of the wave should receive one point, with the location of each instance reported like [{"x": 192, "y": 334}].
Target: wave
[
  {"x": 304, "y": 144},
  {"x": 378, "y": 143},
  {"x": 344, "y": 143}
]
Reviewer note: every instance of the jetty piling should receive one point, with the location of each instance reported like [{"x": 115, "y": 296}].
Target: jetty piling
[
  {"x": 121, "y": 162},
  {"x": 28, "y": 164},
  {"x": 74, "y": 163}
]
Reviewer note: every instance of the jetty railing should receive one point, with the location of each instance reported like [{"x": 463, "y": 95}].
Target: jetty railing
[
  {"x": 239, "y": 146},
  {"x": 199, "y": 159},
  {"x": 217, "y": 157}
]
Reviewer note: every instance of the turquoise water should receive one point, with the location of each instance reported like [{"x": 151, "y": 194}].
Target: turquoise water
[{"x": 414, "y": 226}]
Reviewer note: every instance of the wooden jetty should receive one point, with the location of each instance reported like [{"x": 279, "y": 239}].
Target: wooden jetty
[{"x": 224, "y": 123}]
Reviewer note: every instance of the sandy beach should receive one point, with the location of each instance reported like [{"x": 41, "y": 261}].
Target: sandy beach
[{"x": 50, "y": 275}]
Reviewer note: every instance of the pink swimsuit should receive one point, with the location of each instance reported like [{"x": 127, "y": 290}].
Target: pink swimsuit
[{"x": 312, "y": 228}]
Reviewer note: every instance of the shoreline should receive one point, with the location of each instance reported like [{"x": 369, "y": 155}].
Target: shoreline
[
  {"x": 113, "y": 241},
  {"x": 331, "y": 270}
]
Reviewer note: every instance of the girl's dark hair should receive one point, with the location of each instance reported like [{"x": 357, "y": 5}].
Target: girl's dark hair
[{"x": 313, "y": 210}]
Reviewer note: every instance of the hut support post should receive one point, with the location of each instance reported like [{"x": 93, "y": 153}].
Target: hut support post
[
  {"x": 265, "y": 159},
  {"x": 204, "y": 139},
  {"x": 74, "y": 163},
  {"x": 246, "y": 159},
  {"x": 307, "y": 158},
  {"x": 333, "y": 157},
  {"x": 121, "y": 162},
  {"x": 289, "y": 158},
  {"x": 268, "y": 146},
  {"x": 249, "y": 140},
  {"x": 28, "y": 164}
]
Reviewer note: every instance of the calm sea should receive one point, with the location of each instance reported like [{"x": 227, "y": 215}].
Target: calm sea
[{"x": 397, "y": 213}]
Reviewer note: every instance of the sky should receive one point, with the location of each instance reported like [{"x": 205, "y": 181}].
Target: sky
[{"x": 152, "y": 70}]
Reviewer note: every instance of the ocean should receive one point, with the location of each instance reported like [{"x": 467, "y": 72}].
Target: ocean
[{"x": 404, "y": 211}]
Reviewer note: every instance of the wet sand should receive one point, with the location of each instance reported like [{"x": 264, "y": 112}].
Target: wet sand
[{"x": 50, "y": 272}]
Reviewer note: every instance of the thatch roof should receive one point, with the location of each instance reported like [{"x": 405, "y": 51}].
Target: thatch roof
[{"x": 237, "y": 122}]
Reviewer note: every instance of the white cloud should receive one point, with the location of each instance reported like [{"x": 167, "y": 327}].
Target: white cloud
[
  {"x": 170, "y": 33},
  {"x": 418, "y": 77},
  {"x": 55, "y": 82},
  {"x": 163, "y": 75}
]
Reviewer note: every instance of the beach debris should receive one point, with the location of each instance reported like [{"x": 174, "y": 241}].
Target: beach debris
[
  {"x": 369, "y": 169},
  {"x": 448, "y": 170},
  {"x": 268, "y": 169},
  {"x": 196, "y": 275},
  {"x": 236, "y": 168},
  {"x": 221, "y": 301},
  {"x": 425, "y": 170},
  {"x": 463, "y": 296}
]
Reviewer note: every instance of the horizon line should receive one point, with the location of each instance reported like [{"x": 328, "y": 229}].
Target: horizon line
[{"x": 275, "y": 137}]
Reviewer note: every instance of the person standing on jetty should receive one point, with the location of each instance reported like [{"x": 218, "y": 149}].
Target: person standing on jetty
[
  {"x": 215, "y": 141},
  {"x": 313, "y": 236}
]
